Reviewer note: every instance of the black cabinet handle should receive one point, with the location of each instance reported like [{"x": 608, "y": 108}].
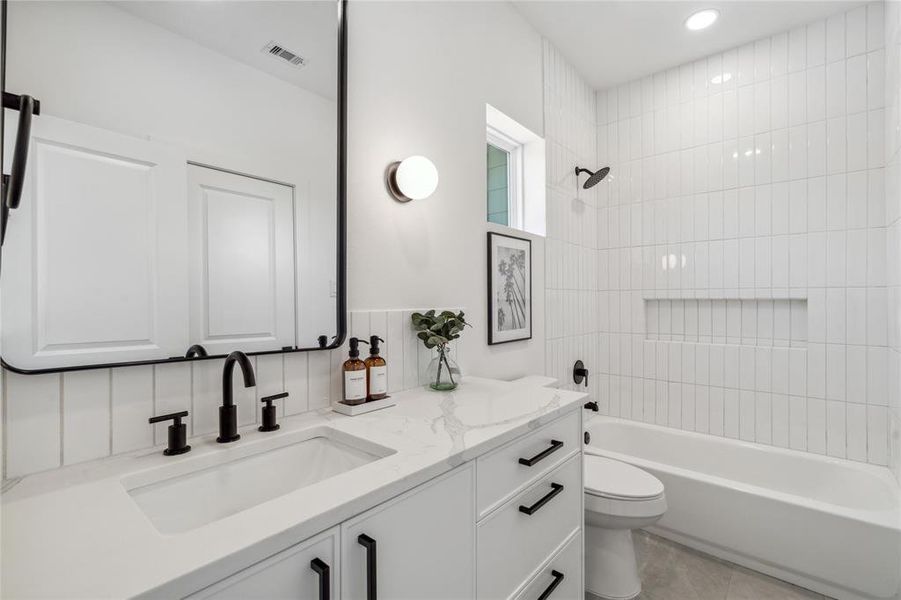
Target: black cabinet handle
[
  {"x": 558, "y": 577},
  {"x": 555, "y": 445},
  {"x": 369, "y": 543},
  {"x": 325, "y": 584},
  {"x": 530, "y": 510}
]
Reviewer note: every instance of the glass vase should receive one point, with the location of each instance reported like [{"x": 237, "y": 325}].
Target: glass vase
[{"x": 443, "y": 373}]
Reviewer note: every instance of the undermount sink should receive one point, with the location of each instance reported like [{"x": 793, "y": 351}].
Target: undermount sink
[{"x": 201, "y": 490}]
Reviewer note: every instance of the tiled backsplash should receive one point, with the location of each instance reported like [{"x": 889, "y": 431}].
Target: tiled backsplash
[
  {"x": 63, "y": 419},
  {"x": 751, "y": 180}
]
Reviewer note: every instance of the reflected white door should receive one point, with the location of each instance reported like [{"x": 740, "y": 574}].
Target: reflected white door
[
  {"x": 241, "y": 233},
  {"x": 93, "y": 265}
]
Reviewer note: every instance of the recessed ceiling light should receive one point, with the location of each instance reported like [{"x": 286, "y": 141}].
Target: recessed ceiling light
[{"x": 702, "y": 19}]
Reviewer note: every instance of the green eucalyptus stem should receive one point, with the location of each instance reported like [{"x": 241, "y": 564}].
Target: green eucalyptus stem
[
  {"x": 440, "y": 357},
  {"x": 450, "y": 372}
]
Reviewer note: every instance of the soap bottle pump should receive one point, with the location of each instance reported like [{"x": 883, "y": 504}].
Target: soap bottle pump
[
  {"x": 376, "y": 371},
  {"x": 354, "y": 376}
]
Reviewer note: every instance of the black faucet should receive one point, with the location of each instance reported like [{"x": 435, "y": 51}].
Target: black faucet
[{"x": 228, "y": 412}]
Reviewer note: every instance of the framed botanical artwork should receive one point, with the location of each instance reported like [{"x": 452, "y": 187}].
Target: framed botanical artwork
[{"x": 509, "y": 288}]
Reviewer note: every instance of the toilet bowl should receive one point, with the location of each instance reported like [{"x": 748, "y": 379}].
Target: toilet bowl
[{"x": 618, "y": 498}]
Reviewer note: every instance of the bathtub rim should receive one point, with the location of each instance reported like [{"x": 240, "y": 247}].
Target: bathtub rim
[{"x": 887, "y": 518}]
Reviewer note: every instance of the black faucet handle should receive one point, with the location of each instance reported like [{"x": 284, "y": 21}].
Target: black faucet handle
[
  {"x": 178, "y": 432},
  {"x": 176, "y": 416},
  {"x": 269, "y": 412},
  {"x": 269, "y": 399},
  {"x": 592, "y": 406}
]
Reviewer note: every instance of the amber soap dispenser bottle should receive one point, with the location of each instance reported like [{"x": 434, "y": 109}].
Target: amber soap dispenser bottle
[
  {"x": 376, "y": 371},
  {"x": 354, "y": 376}
]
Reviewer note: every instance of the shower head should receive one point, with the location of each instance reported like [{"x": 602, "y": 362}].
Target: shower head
[{"x": 594, "y": 178}]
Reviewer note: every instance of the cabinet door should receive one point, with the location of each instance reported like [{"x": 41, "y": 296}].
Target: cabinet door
[
  {"x": 93, "y": 264},
  {"x": 307, "y": 571},
  {"x": 424, "y": 544},
  {"x": 241, "y": 261}
]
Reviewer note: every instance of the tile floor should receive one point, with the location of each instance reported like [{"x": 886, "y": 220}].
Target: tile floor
[{"x": 670, "y": 571}]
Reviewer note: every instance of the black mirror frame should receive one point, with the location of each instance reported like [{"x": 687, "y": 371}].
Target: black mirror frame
[{"x": 341, "y": 245}]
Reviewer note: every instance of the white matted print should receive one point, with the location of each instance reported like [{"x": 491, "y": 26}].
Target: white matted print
[{"x": 509, "y": 288}]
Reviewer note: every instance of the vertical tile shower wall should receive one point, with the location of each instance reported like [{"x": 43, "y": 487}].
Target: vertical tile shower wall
[
  {"x": 62, "y": 419},
  {"x": 893, "y": 219},
  {"x": 571, "y": 250},
  {"x": 745, "y": 214}
]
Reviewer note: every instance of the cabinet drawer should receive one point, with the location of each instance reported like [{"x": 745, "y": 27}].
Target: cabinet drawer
[
  {"x": 565, "y": 566},
  {"x": 512, "y": 544},
  {"x": 288, "y": 574},
  {"x": 500, "y": 474}
]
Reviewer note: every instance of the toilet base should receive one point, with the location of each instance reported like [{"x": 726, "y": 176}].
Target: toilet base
[{"x": 611, "y": 570}]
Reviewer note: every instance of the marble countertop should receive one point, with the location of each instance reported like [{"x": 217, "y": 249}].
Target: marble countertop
[{"x": 76, "y": 533}]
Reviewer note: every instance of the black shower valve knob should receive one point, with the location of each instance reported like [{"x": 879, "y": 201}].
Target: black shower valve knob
[{"x": 580, "y": 373}]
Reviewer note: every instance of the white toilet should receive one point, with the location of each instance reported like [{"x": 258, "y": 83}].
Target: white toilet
[{"x": 618, "y": 498}]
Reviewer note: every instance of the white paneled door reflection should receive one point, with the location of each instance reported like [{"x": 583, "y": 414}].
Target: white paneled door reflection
[{"x": 241, "y": 260}]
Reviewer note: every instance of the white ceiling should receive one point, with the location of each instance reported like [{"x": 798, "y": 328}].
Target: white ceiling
[
  {"x": 612, "y": 42},
  {"x": 240, "y": 30}
]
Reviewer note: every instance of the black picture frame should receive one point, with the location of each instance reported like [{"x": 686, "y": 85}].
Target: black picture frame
[
  {"x": 495, "y": 336},
  {"x": 341, "y": 242}
]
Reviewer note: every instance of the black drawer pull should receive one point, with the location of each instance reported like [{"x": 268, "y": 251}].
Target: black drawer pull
[
  {"x": 325, "y": 583},
  {"x": 558, "y": 577},
  {"x": 530, "y": 510},
  {"x": 555, "y": 445},
  {"x": 369, "y": 543}
]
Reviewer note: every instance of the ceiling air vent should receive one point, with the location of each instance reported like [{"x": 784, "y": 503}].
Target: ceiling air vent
[{"x": 278, "y": 51}]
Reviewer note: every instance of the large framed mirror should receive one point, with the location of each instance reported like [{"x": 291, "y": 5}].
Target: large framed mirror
[{"x": 183, "y": 181}]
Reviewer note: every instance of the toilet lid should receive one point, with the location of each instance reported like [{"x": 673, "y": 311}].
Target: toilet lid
[{"x": 614, "y": 479}]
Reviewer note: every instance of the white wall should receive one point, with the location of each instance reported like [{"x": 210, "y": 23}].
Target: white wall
[
  {"x": 771, "y": 185},
  {"x": 420, "y": 76},
  {"x": 893, "y": 218}
]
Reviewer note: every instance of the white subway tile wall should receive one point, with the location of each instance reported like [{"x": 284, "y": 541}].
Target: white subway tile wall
[
  {"x": 891, "y": 363},
  {"x": 730, "y": 275},
  {"x": 62, "y": 419},
  {"x": 572, "y": 274}
]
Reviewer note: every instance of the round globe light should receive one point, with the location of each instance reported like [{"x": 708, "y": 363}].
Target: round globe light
[
  {"x": 414, "y": 178},
  {"x": 702, "y": 19}
]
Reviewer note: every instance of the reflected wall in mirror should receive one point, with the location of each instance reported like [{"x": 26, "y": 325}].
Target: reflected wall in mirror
[{"x": 182, "y": 184}]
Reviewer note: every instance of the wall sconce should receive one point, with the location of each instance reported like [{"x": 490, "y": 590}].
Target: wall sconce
[{"x": 413, "y": 178}]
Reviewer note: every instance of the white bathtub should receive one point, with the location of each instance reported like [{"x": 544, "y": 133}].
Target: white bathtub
[{"x": 833, "y": 526}]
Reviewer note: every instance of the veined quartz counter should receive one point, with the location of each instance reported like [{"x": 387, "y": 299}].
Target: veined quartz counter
[{"x": 76, "y": 533}]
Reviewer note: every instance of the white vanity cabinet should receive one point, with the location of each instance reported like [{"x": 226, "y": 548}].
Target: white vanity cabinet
[
  {"x": 507, "y": 525},
  {"x": 539, "y": 513},
  {"x": 306, "y": 571},
  {"x": 424, "y": 544}
]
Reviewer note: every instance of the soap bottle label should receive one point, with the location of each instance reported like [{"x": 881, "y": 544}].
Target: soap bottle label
[
  {"x": 355, "y": 385},
  {"x": 378, "y": 380}
]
